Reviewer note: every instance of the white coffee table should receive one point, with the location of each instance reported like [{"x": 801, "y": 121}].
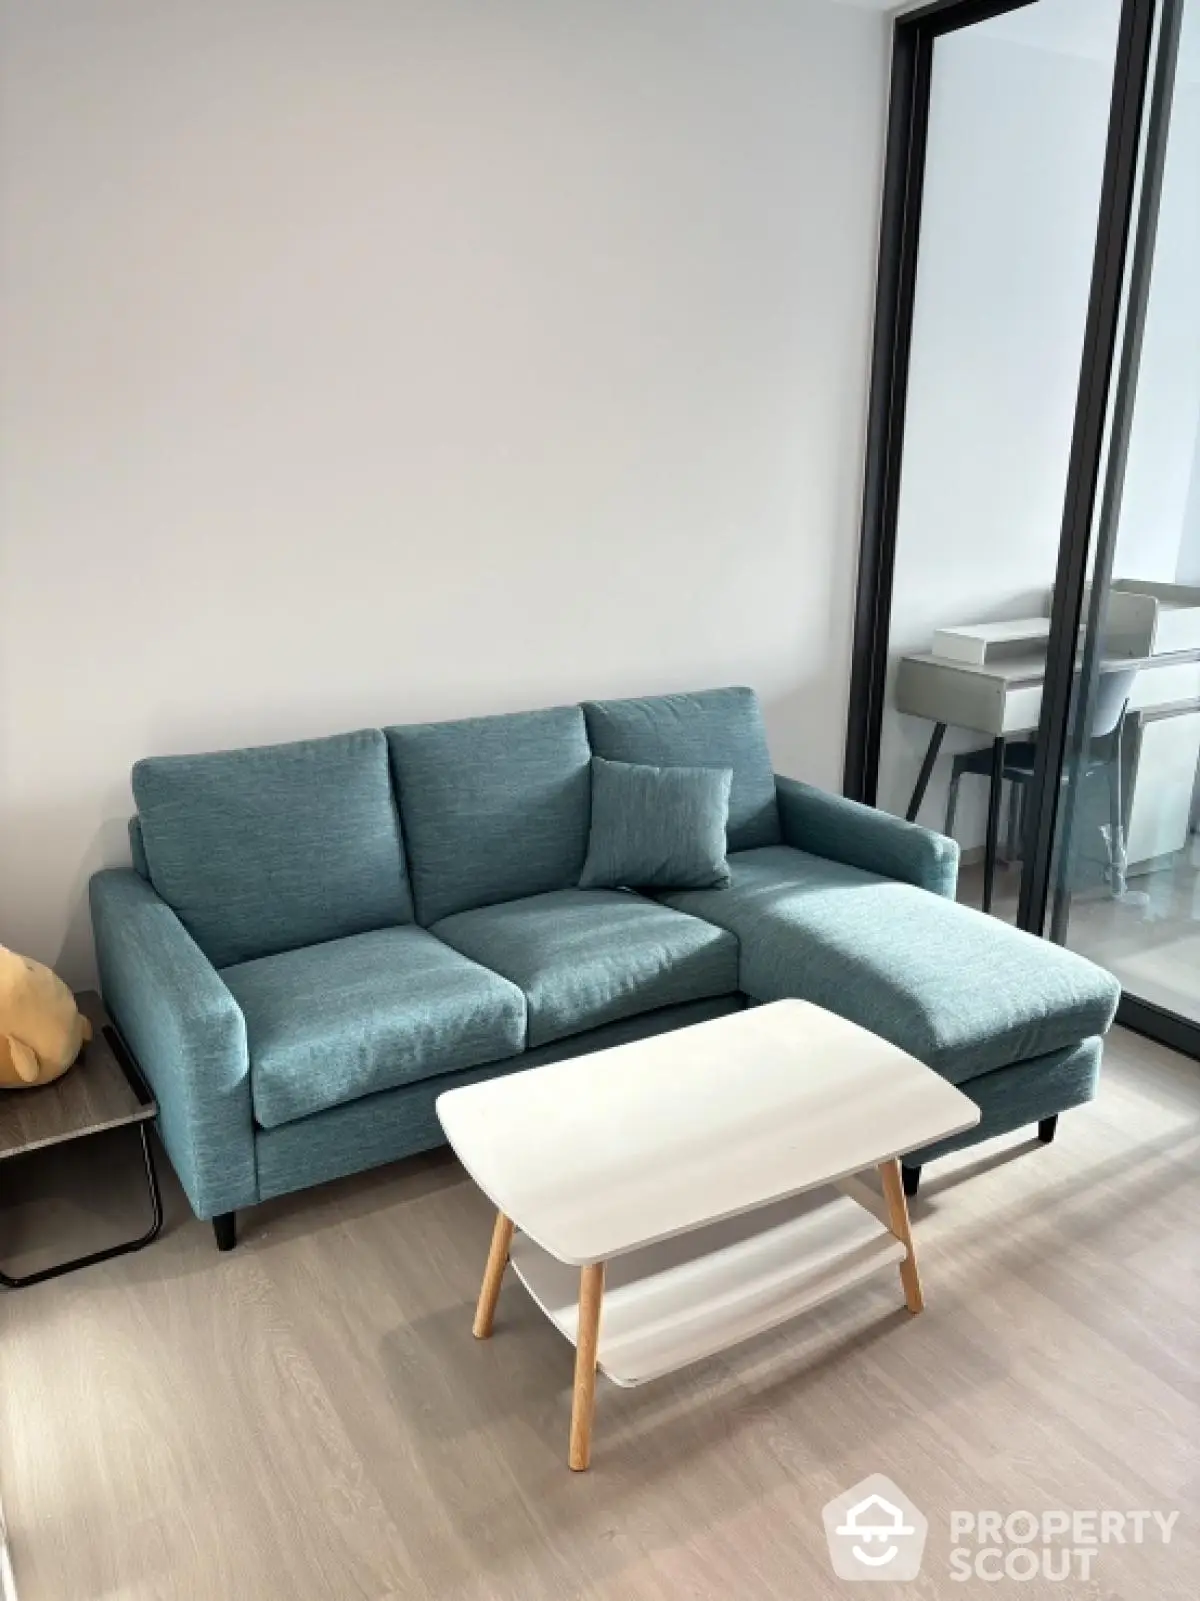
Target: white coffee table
[{"x": 697, "y": 1187}]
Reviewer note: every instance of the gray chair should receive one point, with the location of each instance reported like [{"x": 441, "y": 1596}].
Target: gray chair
[{"x": 1104, "y": 752}]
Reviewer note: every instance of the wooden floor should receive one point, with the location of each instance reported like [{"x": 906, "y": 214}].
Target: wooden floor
[{"x": 310, "y": 1417}]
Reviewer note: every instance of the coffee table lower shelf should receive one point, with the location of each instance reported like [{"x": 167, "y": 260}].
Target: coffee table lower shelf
[{"x": 675, "y": 1302}]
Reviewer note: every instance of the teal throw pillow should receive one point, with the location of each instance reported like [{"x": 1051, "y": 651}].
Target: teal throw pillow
[{"x": 657, "y": 827}]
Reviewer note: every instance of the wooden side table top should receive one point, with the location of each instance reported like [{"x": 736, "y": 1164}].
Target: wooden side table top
[{"x": 98, "y": 1093}]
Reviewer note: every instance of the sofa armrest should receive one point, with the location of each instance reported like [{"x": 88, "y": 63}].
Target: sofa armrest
[
  {"x": 188, "y": 1036},
  {"x": 845, "y": 831}
]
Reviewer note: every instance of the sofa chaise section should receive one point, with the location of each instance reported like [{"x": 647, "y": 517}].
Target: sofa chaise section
[
  {"x": 845, "y": 906},
  {"x": 962, "y": 992}
]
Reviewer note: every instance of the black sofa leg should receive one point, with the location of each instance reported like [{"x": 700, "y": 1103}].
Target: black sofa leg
[
  {"x": 225, "y": 1228},
  {"x": 912, "y": 1179},
  {"x": 1047, "y": 1129}
]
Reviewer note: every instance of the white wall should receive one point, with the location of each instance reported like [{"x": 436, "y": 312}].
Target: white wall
[
  {"x": 1016, "y": 150},
  {"x": 369, "y": 360}
]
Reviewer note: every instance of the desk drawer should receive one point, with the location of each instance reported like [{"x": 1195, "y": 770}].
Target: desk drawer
[
  {"x": 944, "y": 693},
  {"x": 1172, "y": 685},
  {"x": 1022, "y": 708}
]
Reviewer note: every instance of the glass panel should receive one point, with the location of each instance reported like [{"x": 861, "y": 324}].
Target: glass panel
[
  {"x": 1130, "y": 894},
  {"x": 1017, "y": 135}
]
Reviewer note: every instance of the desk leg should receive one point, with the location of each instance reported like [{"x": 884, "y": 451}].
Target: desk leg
[
  {"x": 931, "y": 756},
  {"x": 587, "y": 1340},
  {"x": 993, "y": 821},
  {"x": 897, "y": 1206}
]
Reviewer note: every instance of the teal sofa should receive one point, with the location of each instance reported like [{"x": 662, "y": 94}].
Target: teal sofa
[{"x": 316, "y": 939}]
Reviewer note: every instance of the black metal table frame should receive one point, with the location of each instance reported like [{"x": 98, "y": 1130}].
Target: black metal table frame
[{"x": 138, "y": 1086}]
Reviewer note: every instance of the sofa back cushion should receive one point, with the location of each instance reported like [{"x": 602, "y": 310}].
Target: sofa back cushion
[
  {"x": 272, "y": 848},
  {"x": 137, "y": 848},
  {"x": 494, "y": 808},
  {"x": 707, "y": 728}
]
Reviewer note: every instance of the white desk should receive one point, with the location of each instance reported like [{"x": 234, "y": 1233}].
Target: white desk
[{"x": 1003, "y": 700}]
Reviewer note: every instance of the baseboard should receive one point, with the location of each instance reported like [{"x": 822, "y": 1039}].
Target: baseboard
[{"x": 1145, "y": 865}]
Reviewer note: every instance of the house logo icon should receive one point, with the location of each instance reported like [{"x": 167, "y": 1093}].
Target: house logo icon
[{"x": 875, "y": 1532}]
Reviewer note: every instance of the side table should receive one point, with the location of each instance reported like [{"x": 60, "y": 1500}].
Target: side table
[{"x": 103, "y": 1090}]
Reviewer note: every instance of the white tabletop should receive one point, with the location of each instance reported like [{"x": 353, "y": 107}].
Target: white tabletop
[{"x": 601, "y": 1154}]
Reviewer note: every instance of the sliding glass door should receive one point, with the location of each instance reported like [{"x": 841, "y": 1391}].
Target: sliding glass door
[
  {"x": 1019, "y": 109},
  {"x": 1027, "y": 652},
  {"x": 1126, "y": 888}
]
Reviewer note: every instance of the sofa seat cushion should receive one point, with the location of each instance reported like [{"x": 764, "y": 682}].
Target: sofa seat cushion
[
  {"x": 960, "y": 991},
  {"x": 584, "y": 957},
  {"x": 333, "y": 1022}
]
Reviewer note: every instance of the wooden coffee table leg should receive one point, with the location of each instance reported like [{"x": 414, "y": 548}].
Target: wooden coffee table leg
[
  {"x": 583, "y": 1404},
  {"x": 893, "y": 1194},
  {"x": 493, "y": 1275}
]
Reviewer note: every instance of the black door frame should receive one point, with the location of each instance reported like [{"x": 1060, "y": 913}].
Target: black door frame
[
  {"x": 914, "y": 36},
  {"x": 1036, "y": 886}
]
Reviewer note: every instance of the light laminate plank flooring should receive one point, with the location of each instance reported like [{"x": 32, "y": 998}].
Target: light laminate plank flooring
[{"x": 310, "y": 1418}]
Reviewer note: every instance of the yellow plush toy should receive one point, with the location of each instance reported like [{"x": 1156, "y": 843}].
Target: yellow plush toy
[{"x": 41, "y": 1028}]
